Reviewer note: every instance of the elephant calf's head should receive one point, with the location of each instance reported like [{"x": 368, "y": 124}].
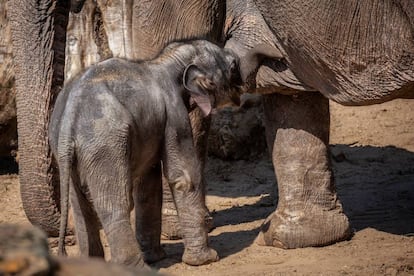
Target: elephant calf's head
[{"x": 213, "y": 77}]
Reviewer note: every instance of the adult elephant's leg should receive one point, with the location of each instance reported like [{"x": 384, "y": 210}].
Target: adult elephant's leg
[
  {"x": 308, "y": 212},
  {"x": 170, "y": 226},
  {"x": 38, "y": 36}
]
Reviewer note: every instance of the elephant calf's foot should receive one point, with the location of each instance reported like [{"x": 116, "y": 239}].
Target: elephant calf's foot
[
  {"x": 205, "y": 256},
  {"x": 298, "y": 229}
]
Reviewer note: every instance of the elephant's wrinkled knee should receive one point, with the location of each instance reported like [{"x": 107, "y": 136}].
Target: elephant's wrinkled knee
[{"x": 183, "y": 183}]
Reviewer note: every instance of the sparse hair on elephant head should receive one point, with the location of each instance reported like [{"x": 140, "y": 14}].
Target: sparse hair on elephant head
[
  {"x": 212, "y": 77},
  {"x": 218, "y": 76}
]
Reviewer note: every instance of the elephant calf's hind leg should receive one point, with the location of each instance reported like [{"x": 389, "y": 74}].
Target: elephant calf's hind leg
[
  {"x": 87, "y": 223},
  {"x": 148, "y": 201}
]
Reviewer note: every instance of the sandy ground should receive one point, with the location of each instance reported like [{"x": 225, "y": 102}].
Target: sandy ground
[{"x": 373, "y": 158}]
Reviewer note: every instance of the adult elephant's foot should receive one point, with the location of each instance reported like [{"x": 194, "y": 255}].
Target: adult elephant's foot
[
  {"x": 154, "y": 255},
  {"x": 314, "y": 227},
  {"x": 309, "y": 212},
  {"x": 170, "y": 229},
  {"x": 200, "y": 257}
]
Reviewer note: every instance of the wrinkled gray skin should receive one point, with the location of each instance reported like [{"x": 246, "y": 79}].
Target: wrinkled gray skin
[
  {"x": 109, "y": 130},
  {"x": 353, "y": 52}
]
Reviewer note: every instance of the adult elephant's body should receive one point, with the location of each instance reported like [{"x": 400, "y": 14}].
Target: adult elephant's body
[{"x": 354, "y": 52}]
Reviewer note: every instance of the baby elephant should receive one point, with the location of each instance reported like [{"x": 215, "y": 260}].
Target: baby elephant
[{"x": 109, "y": 131}]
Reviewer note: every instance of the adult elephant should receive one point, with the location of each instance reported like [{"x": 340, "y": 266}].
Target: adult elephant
[{"x": 353, "y": 52}]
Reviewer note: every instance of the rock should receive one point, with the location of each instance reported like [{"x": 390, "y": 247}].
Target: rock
[
  {"x": 24, "y": 251},
  {"x": 238, "y": 132}
]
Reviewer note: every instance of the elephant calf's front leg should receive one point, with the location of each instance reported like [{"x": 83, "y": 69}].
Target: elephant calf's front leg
[
  {"x": 309, "y": 212},
  {"x": 200, "y": 127},
  {"x": 183, "y": 169},
  {"x": 191, "y": 214}
]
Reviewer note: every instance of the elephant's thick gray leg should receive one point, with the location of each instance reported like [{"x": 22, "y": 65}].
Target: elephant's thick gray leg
[
  {"x": 191, "y": 213},
  {"x": 38, "y": 31},
  {"x": 308, "y": 212},
  {"x": 200, "y": 126},
  {"x": 148, "y": 201},
  {"x": 115, "y": 218},
  {"x": 170, "y": 228},
  {"x": 87, "y": 225},
  {"x": 110, "y": 189}
]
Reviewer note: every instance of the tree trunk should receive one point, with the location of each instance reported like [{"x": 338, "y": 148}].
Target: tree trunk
[
  {"x": 38, "y": 37},
  {"x": 8, "y": 123}
]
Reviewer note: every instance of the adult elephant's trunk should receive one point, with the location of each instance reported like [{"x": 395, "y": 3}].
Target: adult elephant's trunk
[
  {"x": 39, "y": 37},
  {"x": 251, "y": 61}
]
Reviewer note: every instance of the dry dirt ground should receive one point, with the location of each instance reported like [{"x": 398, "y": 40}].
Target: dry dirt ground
[{"x": 373, "y": 160}]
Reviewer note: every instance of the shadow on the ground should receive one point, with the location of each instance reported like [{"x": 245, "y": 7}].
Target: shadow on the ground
[
  {"x": 376, "y": 187},
  {"x": 229, "y": 243},
  {"x": 244, "y": 214},
  {"x": 226, "y": 243},
  {"x": 374, "y": 184},
  {"x": 8, "y": 165}
]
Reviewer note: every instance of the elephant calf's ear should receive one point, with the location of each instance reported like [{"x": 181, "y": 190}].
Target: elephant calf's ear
[{"x": 196, "y": 82}]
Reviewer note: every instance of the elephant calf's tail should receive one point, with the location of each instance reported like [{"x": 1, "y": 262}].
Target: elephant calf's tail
[{"x": 65, "y": 159}]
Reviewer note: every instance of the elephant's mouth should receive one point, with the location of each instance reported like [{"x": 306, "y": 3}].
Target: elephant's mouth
[{"x": 229, "y": 95}]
